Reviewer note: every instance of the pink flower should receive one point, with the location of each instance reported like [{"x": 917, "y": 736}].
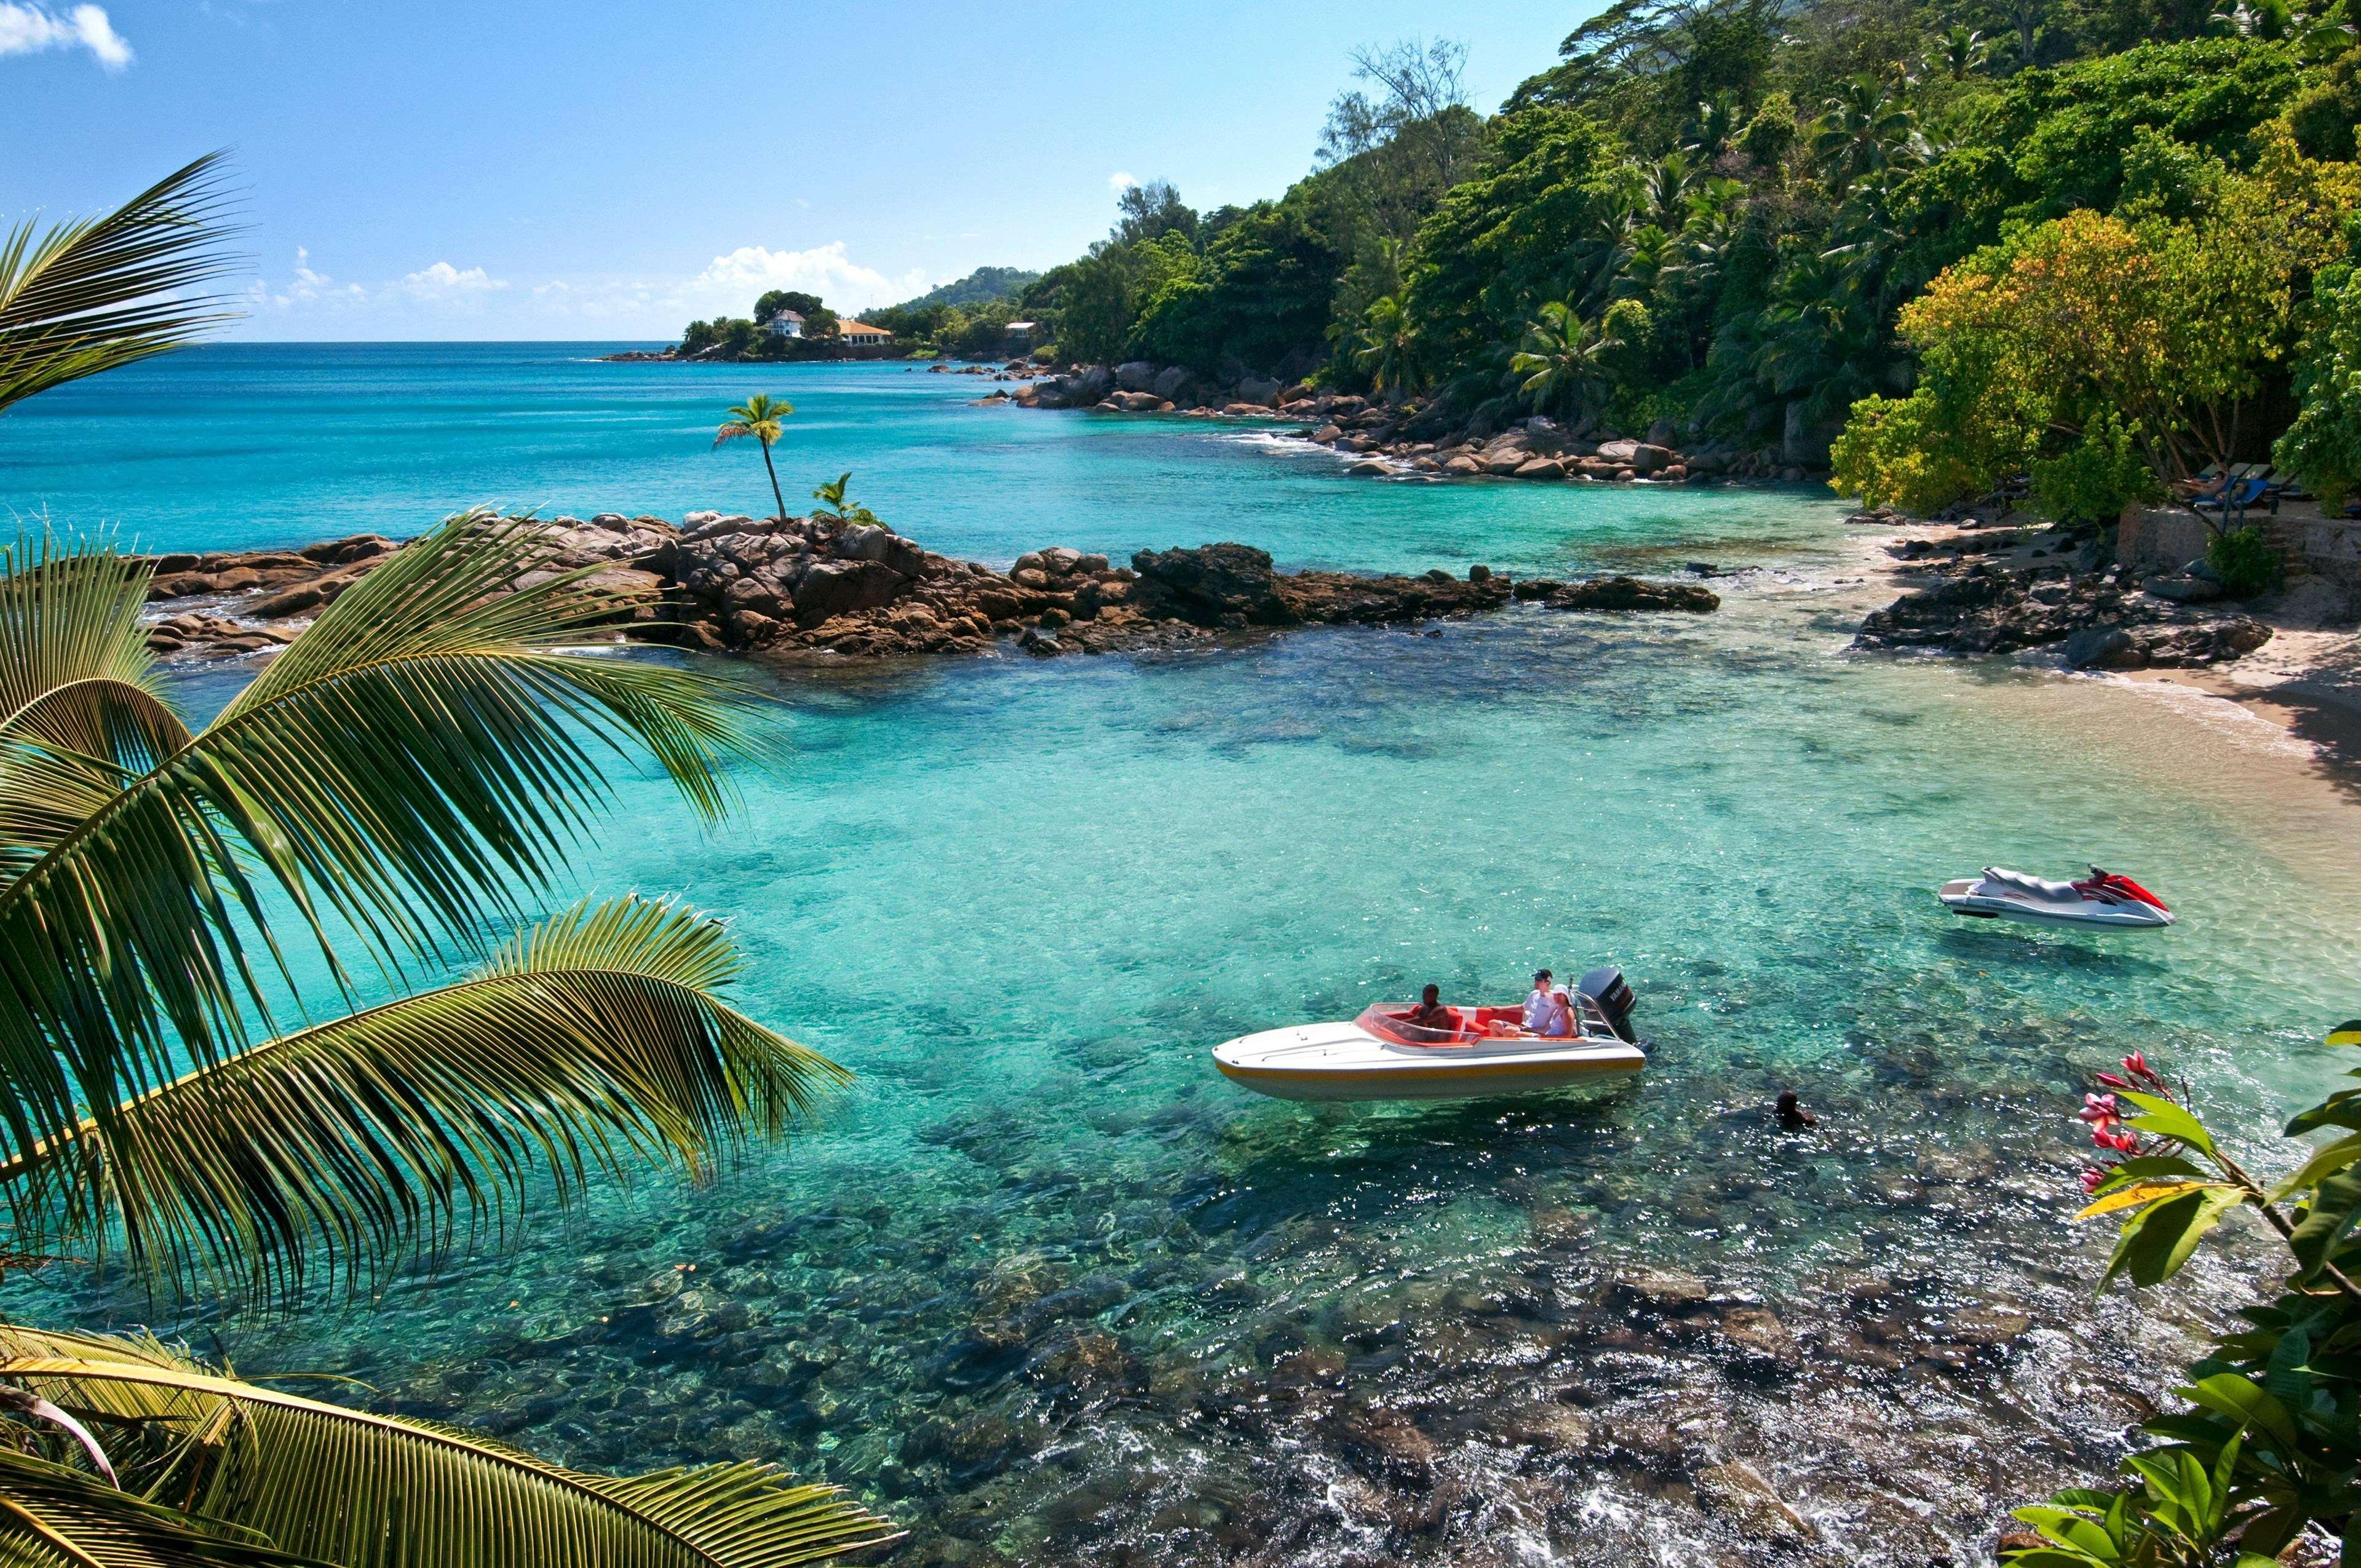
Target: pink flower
[
  {"x": 2120, "y": 1141},
  {"x": 2112, "y": 1081},
  {"x": 2100, "y": 1110},
  {"x": 2136, "y": 1064},
  {"x": 2091, "y": 1179}
]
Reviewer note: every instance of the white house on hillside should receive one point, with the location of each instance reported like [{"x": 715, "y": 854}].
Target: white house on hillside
[
  {"x": 787, "y": 323},
  {"x": 863, "y": 333}
]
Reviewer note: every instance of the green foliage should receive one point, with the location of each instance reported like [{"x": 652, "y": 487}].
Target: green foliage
[
  {"x": 2244, "y": 560},
  {"x": 2268, "y": 1449},
  {"x": 1509, "y": 239},
  {"x": 2324, "y": 113},
  {"x": 2096, "y": 477},
  {"x": 985, "y": 285},
  {"x": 100, "y": 293},
  {"x": 2324, "y": 444},
  {"x": 780, "y": 301}
]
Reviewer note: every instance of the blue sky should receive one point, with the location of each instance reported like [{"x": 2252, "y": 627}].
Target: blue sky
[{"x": 518, "y": 169}]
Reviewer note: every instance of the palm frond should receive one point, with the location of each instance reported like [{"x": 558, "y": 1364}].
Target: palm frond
[
  {"x": 54, "y": 1517},
  {"x": 101, "y": 293},
  {"x": 593, "y": 1035},
  {"x": 369, "y": 1491},
  {"x": 420, "y": 754},
  {"x": 81, "y": 710}
]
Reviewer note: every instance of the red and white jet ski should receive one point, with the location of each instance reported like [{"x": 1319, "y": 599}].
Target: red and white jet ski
[{"x": 2102, "y": 899}]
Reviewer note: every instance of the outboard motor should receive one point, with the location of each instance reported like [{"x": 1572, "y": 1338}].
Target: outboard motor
[{"x": 1606, "y": 987}]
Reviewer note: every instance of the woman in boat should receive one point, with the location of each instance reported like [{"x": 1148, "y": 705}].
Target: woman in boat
[{"x": 1559, "y": 1025}]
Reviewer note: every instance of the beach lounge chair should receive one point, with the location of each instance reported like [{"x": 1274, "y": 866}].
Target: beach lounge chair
[{"x": 2239, "y": 494}]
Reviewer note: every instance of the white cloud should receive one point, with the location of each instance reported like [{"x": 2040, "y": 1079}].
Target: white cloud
[
  {"x": 731, "y": 282},
  {"x": 442, "y": 280},
  {"x": 28, "y": 29},
  {"x": 1119, "y": 183}
]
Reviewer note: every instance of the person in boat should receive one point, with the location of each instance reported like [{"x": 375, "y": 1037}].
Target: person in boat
[
  {"x": 1430, "y": 1012},
  {"x": 1559, "y": 1025},
  {"x": 1539, "y": 1006}
]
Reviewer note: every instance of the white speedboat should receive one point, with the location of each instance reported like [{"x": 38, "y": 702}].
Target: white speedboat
[
  {"x": 2102, "y": 899},
  {"x": 1484, "y": 1051}
]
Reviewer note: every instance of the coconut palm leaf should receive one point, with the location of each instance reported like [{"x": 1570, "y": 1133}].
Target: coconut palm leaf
[
  {"x": 81, "y": 708},
  {"x": 53, "y": 1517},
  {"x": 590, "y": 1036},
  {"x": 422, "y": 753},
  {"x": 365, "y": 1490},
  {"x": 100, "y": 293}
]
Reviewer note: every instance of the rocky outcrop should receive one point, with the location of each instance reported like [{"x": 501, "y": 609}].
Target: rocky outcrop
[
  {"x": 825, "y": 584},
  {"x": 1410, "y": 437},
  {"x": 2095, "y": 620}
]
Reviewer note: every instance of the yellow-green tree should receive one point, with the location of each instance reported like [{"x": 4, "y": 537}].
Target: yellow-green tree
[{"x": 2169, "y": 326}]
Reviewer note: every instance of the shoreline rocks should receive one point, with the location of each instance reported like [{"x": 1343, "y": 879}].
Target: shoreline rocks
[
  {"x": 825, "y": 584},
  {"x": 2004, "y": 591},
  {"x": 1412, "y": 437}
]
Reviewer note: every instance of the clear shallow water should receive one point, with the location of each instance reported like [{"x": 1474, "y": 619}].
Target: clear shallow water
[
  {"x": 1047, "y": 1288},
  {"x": 245, "y": 446}
]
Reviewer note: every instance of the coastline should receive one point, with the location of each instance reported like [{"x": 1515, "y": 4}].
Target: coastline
[{"x": 2305, "y": 681}]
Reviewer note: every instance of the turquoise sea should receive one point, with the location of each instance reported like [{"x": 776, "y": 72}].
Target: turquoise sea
[{"x": 1047, "y": 1288}]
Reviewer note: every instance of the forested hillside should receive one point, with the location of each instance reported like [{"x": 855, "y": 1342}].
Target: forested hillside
[{"x": 2110, "y": 234}]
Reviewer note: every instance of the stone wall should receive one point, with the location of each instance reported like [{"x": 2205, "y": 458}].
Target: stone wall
[
  {"x": 2159, "y": 538},
  {"x": 2330, "y": 546}
]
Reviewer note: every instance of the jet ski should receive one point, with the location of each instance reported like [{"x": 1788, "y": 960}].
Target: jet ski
[
  {"x": 2102, "y": 899},
  {"x": 1483, "y": 1052}
]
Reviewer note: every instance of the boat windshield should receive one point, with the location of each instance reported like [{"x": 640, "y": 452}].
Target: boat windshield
[{"x": 1391, "y": 1020}]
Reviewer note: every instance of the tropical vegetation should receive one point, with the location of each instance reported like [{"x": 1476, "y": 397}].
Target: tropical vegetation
[
  {"x": 282, "y": 1013},
  {"x": 1960, "y": 235},
  {"x": 2264, "y": 1458}
]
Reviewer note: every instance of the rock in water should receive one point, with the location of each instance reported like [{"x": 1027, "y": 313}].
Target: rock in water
[
  {"x": 1634, "y": 593},
  {"x": 1213, "y": 585}
]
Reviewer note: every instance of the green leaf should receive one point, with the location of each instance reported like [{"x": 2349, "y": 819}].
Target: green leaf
[
  {"x": 370, "y": 1491},
  {"x": 2159, "y": 1238},
  {"x": 2325, "y": 1163},
  {"x": 2246, "y": 1404},
  {"x": 52, "y": 1517},
  {"x": 101, "y": 293},
  {"x": 416, "y": 760},
  {"x": 2152, "y": 1167},
  {"x": 597, "y": 1031},
  {"x": 2335, "y": 1205},
  {"x": 2165, "y": 1120}
]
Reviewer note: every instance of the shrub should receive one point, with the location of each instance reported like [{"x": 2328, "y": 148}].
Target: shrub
[
  {"x": 2266, "y": 1451},
  {"x": 2245, "y": 562},
  {"x": 2095, "y": 479},
  {"x": 2324, "y": 444}
]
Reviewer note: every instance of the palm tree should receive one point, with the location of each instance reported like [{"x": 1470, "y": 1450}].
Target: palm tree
[
  {"x": 1386, "y": 345},
  {"x": 1865, "y": 128},
  {"x": 759, "y": 417},
  {"x": 1960, "y": 53},
  {"x": 399, "y": 779},
  {"x": 98, "y": 293},
  {"x": 1563, "y": 359}
]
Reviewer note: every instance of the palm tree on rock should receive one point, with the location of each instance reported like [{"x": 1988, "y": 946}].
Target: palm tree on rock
[{"x": 759, "y": 417}]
